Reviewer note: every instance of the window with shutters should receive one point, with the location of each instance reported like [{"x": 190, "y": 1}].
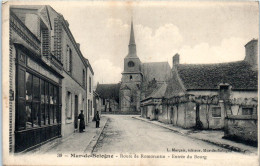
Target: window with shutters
[
  {"x": 90, "y": 84},
  {"x": 83, "y": 79},
  {"x": 247, "y": 111},
  {"x": 69, "y": 59},
  {"x": 45, "y": 40},
  {"x": 216, "y": 112},
  {"x": 68, "y": 105}
]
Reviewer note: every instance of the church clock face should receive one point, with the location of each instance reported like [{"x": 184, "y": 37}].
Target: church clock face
[{"x": 131, "y": 64}]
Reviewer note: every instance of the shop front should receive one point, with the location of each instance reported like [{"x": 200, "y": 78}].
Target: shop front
[{"x": 38, "y": 101}]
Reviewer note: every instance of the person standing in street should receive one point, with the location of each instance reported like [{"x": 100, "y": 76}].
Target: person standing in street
[
  {"x": 97, "y": 120},
  {"x": 81, "y": 122}
]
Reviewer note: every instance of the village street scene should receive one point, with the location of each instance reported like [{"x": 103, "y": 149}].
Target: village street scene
[{"x": 131, "y": 82}]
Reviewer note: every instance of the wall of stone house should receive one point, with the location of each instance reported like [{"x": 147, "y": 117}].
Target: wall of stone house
[
  {"x": 173, "y": 115},
  {"x": 185, "y": 116},
  {"x": 190, "y": 117},
  {"x": 216, "y": 122},
  {"x": 163, "y": 114},
  {"x": 151, "y": 112},
  {"x": 237, "y": 110},
  {"x": 70, "y": 85},
  {"x": 144, "y": 111},
  {"x": 180, "y": 113},
  {"x": 241, "y": 128}
]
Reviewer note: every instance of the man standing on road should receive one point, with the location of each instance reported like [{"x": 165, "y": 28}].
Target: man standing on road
[{"x": 97, "y": 120}]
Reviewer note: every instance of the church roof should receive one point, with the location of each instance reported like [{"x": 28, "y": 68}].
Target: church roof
[
  {"x": 108, "y": 91},
  {"x": 160, "y": 71},
  {"x": 208, "y": 76}
]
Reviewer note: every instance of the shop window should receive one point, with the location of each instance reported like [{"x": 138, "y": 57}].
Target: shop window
[
  {"x": 36, "y": 102},
  {"x": 43, "y": 122},
  {"x": 41, "y": 100},
  {"x": 47, "y": 102},
  {"x": 29, "y": 115},
  {"x": 28, "y": 100},
  {"x": 247, "y": 111},
  {"x": 28, "y": 87},
  {"x": 68, "y": 105},
  {"x": 55, "y": 109},
  {"x": 216, "y": 112},
  {"x": 51, "y": 104}
]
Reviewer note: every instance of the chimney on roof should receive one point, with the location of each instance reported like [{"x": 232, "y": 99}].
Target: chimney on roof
[
  {"x": 78, "y": 45},
  {"x": 175, "y": 59},
  {"x": 251, "y": 49}
]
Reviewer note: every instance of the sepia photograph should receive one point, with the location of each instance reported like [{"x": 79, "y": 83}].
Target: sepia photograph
[{"x": 130, "y": 83}]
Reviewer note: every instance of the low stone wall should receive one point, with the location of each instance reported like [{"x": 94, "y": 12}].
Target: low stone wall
[{"x": 241, "y": 128}]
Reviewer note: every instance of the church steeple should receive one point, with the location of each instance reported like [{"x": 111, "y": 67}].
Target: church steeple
[
  {"x": 132, "y": 46},
  {"x": 132, "y": 35}
]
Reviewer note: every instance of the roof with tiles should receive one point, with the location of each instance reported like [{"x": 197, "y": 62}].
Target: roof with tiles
[
  {"x": 159, "y": 91},
  {"x": 108, "y": 91},
  {"x": 208, "y": 76},
  {"x": 160, "y": 71}
]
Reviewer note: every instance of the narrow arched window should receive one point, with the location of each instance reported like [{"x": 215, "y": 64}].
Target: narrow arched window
[{"x": 131, "y": 77}]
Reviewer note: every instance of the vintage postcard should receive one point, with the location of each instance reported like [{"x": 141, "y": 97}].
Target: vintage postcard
[{"x": 130, "y": 83}]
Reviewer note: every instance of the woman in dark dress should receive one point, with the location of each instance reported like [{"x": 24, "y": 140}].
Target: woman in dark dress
[
  {"x": 81, "y": 122},
  {"x": 97, "y": 120}
]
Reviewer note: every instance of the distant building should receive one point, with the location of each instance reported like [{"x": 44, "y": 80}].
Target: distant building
[
  {"x": 48, "y": 78},
  {"x": 109, "y": 97}
]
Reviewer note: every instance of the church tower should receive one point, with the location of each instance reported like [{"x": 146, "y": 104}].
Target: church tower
[{"x": 131, "y": 78}]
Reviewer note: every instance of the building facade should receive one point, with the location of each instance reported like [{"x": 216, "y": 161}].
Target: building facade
[
  {"x": 48, "y": 78},
  {"x": 89, "y": 92}
]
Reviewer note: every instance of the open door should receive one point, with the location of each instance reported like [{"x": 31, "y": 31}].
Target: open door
[{"x": 199, "y": 124}]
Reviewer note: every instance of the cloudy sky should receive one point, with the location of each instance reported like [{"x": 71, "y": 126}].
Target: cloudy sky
[{"x": 200, "y": 32}]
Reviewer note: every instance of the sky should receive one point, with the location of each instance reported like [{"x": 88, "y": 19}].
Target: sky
[{"x": 204, "y": 32}]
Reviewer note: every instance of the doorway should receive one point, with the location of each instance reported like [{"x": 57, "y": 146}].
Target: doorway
[
  {"x": 76, "y": 112},
  {"x": 171, "y": 115},
  {"x": 199, "y": 124}
]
